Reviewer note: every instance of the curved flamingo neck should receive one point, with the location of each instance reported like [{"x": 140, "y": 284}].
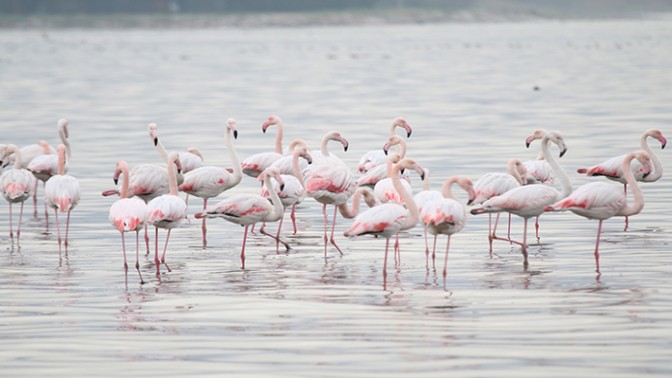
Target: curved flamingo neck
[
  {"x": 17, "y": 155},
  {"x": 406, "y": 197},
  {"x": 124, "y": 180},
  {"x": 278, "y": 138},
  {"x": 278, "y": 209},
  {"x": 349, "y": 213},
  {"x": 63, "y": 134},
  {"x": 425, "y": 181},
  {"x": 446, "y": 188},
  {"x": 512, "y": 169},
  {"x": 237, "y": 171},
  {"x": 295, "y": 166},
  {"x": 638, "y": 204},
  {"x": 61, "y": 160},
  {"x": 657, "y": 171},
  {"x": 172, "y": 173},
  {"x": 555, "y": 166},
  {"x": 323, "y": 148}
]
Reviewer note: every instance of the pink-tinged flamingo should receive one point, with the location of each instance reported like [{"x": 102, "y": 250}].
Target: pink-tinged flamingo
[
  {"x": 285, "y": 163},
  {"x": 210, "y": 181},
  {"x": 166, "y": 211},
  {"x": 257, "y": 163},
  {"x": 248, "y": 209},
  {"x": 529, "y": 201},
  {"x": 613, "y": 168},
  {"x": 291, "y": 193},
  {"x": 388, "y": 219},
  {"x": 353, "y": 210},
  {"x": 599, "y": 200},
  {"x": 494, "y": 184},
  {"x": 538, "y": 170},
  {"x": 375, "y": 158},
  {"x": 62, "y": 193},
  {"x": 423, "y": 199},
  {"x": 128, "y": 214},
  {"x": 447, "y": 216},
  {"x": 330, "y": 182},
  {"x": 17, "y": 187},
  {"x": 45, "y": 165},
  {"x": 383, "y": 189}
]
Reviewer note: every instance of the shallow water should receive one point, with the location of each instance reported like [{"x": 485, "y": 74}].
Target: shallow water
[{"x": 467, "y": 90}]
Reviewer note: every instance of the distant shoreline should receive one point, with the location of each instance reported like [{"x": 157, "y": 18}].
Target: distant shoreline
[{"x": 294, "y": 19}]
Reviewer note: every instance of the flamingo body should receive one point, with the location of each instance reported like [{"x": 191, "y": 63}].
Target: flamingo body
[
  {"x": 208, "y": 182},
  {"x": 128, "y": 214},
  {"x": 595, "y": 200},
  {"x": 62, "y": 192},
  {"x": 17, "y": 185}
]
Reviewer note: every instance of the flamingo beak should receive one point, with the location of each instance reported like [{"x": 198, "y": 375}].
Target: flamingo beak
[
  {"x": 116, "y": 181},
  {"x": 235, "y": 134},
  {"x": 156, "y": 141},
  {"x": 386, "y": 148},
  {"x": 663, "y": 143},
  {"x": 562, "y": 153}
]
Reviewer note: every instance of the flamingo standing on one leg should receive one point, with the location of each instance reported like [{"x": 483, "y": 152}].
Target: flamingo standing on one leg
[
  {"x": 166, "y": 211},
  {"x": 128, "y": 214},
  {"x": 62, "y": 193},
  {"x": 613, "y": 168},
  {"x": 330, "y": 182},
  {"x": 447, "y": 216},
  {"x": 599, "y": 200},
  {"x": 210, "y": 181},
  {"x": 388, "y": 219},
  {"x": 375, "y": 158},
  {"x": 529, "y": 200},
  {"x": 248, "y": 209},
  {"x": 17, "y": 186}
]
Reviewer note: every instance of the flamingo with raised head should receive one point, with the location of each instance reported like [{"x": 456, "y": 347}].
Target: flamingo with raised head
[
  {"x": 166, "y": 211},
  {"x": 330, "y": 182},
  {"x": 210, "y": 181},
  {"x": 285, "y": 163},
  {"x": 613, "y": 168},
  {"x": 529, "y": 201},
  {"x": 248, "y": 209},
  {"x": 375, "y": 158},
  {"x": 257, "y": 163},
  {"x": 17, "y": 186},
  {"x": 599, "y": 200},
  {"x": 447, "y": 216},
  {"x": 62, "y": 193},
  {"x": 422, "y": 199},
  {"x": 383, "y": 189},
  {"x": 538, "y": 171},
  {"x": 388, "y": 219},
  {"x": 128, "y": 214}
]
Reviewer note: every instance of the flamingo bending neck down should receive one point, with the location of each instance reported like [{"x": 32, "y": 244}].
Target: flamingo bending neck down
[
  {"x": 529, "y": 200},
  {"x": 166, "y": 211},
  {"x": 17, "y": 186},
  {"x": 330, "y": 182},
  {"x": 389, "y": 218},
  {"x": 210, "y": 181},
  {"x": 599, "y": 200},
  {"x": 375, "y": 158},
  {"x": 62, "y": 193},
  {"x": 613, "y": 168},
  {"x": 128, "y": 214},
  {"x": 257, "y": 163},
  {"x": 248, "y": 209}
]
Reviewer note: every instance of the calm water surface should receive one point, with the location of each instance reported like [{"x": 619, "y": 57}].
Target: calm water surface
[{"x": 467, "y": 90}]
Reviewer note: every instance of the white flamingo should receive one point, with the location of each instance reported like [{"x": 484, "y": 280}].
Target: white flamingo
[
  {"x": 375, "y": 158},
  {"x": 17, "y": 186},
  {"x": 257, "y": 163},
  {"x": 62, "y": 193}
]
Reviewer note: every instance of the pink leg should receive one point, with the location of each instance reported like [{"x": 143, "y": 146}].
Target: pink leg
[
  {"x": 147, "y": 238},
  {"x": 387, "y": 247},
  {"x": 333, "y": 228},
  {"x": 397, "y": 253},
  {"x": 67, "y": 228},
  {"x": 186, "y": 202},
  {"x": 123, "y": 248},
  {"x": 597, "y": 247},
  {"x": 11, "y": 227},
  {"x": 536, "y": 228},
  {"x": 434, "y": 252},
  {"x": 18, "y": 228},
  {"x": 156, "y": 253},
  {"x": 137, "y": 254},
  {"x": 165, "y": 247},
  {"x": 277, "y": 235},
  {"x": 58, "y": 228},
  {"x": 426, "y": 249},
  {"x": 324, "y": 212},
  {"x": 445, "y": 261},
  {"x": 490, "y": 238},
  {"x": 203, "y": 227},
  {"x": 292, "y": 215},
  {"x": 494, "y": 229},
  {"x": 508, "y": 231},
  {"x": 242, "y": 251},
  {"x": 627, "y": 221},
  {"x": 35, "y": 199},
  {"x": 46, "y": 212}
]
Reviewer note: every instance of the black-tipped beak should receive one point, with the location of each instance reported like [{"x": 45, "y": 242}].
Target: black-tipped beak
[
  {"x": 235, "y": 134},
  {"x": 156, "y": 141},
  {"x": 282, "y": 187},
  {"x": 408, "y": 134},
  {"x": 385, "y": 151},
  {"x": 422, "y": 176},
  {"x": 662, "y": 146},
  {"x": 179, "y": 170},
  {"x": 402, "y": 170},
  {"x": 470, "y": 202},
  {"x": 263, "y": 130},
  {"x": 527, "y": 144},
  {"x": 116, "y": 181},
  {"x": 345, "y": 148},
  {"x": 562, "y": 153}
]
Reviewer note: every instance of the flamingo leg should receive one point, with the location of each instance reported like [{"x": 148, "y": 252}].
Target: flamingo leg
[
  {"x": 333, "y": 228},
  {"x": 35, "y": 200},
  {"x": 137, "y": 254},
  {"x": 426, "y": 249},
  {"x": 627, "y": 222},
  {"x": 494, "y": 230},
  {"x": 11, "y": 228},
  {"x": 292, "y": 215},
  {"x": 277, "y": 236},
  {"x": 434, "y": 252},
  {"x": 508, "y": 231},
  {"x": 536, "y": 227},
  {"x": 387, "y": 246},
  {"x": 123, "y": 248},
  {"x": 277, "y": 239},
  {"x": 242, "y": 251},
  {"x": 67, "y": 227},
  {"x": 18, "y": 228},
  {"x": 490, "y": 238},
  {"x": 165, "y": 247},
  {"x": 445, "y": 261},
  {"x": 597, "y": 247},
  {"x": 46, "y": 212},
  {"x": 58, "y": 228},
  {"x": 203, "y": 226},
  {"x": 156, "y": 253},
  {"x": 147, "y": 238},
  {"x": 396, "y": 248}
]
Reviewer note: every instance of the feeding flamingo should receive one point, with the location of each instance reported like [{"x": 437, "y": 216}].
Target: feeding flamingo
[
  {"x": 375, "y": 158},
  {"x": 257, "y": 163},
  {"x": 529, "y": 200},
  {"x": 330, "y": 182},
  {"x": 388, "y": 219},
  {"x": 248, "y": 209},
  {"x": 128, "y": 214},
  {"x": 613, "y": 168},
  {"x": 447, "y": 216},
  {"x": 210, "y": 181},
  {"x": 17, "y": 186},
  {"x": 599, "y": 200},
  {"x": 62, "y": 193},
  {"x": 166, "y": 211}
]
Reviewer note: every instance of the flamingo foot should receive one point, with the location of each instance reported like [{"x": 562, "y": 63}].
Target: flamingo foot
[
  {"x": 163, "y": 261},
  {"x": 333, "y": 242},
  {"x": 137, "y": 267}
]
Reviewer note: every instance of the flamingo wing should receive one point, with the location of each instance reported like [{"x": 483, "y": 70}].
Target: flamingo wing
[
  {"x": 166, "y": 210},
  {"x": 447, "y": 216},
  {"x": 493, "y": 184},
  {"x": 596, "y": 200},
  {"x": 371, "y": 160},
  {"x": 244, "y": 209},
  {"x": 525, "y": 201},
  {"x": 147, "y": 180},
  {"x": 17, "y": 184},
  {"x": 207, "y": 182},
  {"x": 539, "y": 171},
  {"x": 257, "y": 163},
  {"x": 190, "y": 161},
  {"x": 62, "y": 192},
  {"x": 128, "y": 214},
  {"x": 386, "y": 219}
]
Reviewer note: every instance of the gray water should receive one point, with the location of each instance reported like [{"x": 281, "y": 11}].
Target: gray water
[{"x": 468, "y": 92}]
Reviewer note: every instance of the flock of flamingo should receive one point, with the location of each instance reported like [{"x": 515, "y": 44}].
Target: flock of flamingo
[{"x": 149, "y": 194}]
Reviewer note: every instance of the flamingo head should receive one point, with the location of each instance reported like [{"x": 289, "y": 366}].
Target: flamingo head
[
  {"x": 303, "y": 152},
  {"x": 468, "y": 186},
  {"x": 272, "y": 120},
  {"x": 117, "y": 172},
  {"x": 659, "y": 135},
  {"x": 297, "y": 143},
  {"x": 400, "y": 122},
  {"x": 231, "y": 125},
  {"x": 410, "y": 164},
  {"x": 63, "y": 127},
  {"x": 537, "y": 134},
  {"x": 393, "y": 141},
  {"x": 174, "y": 158},
  {"x": 644, "y": 158},
  {"x": 153, "y": 133},
  {"x": 275, "y": 173},
  {"x": 195, "y": 151},
  {"x": 556, "y": 138}
]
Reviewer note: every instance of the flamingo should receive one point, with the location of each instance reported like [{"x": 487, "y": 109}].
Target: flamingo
[
  {"x": 375, "y": 158},
  {"x": 17, "y": 186},
  {"x": 388, "y": 219},
  {"x": 612, "y": 168},
  {"x": 285, "y": 163},
  {"x": 257, "y": 163},
  {"x": 447, "y": 216},
  {"x": 210, "y": 181},
  {"x": 62, "y": 193},
  {"x": 248, "y": 209},
  {"x": 128, "y": 214},
  {"x": 292, "y": 192},
  {"x": 529, "y": 200},
  {"x": 423, "y": 199},
  {"x": 538, "y": 170},
  {"x": 353, "y": 211},
  {"x": 599, "y": 200},
  {"x": 493, "y": 184},
  {"x": 383, "y": 189},
  {"x": 330, "y": 182},
  {"x": 166, "y": 211}
]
